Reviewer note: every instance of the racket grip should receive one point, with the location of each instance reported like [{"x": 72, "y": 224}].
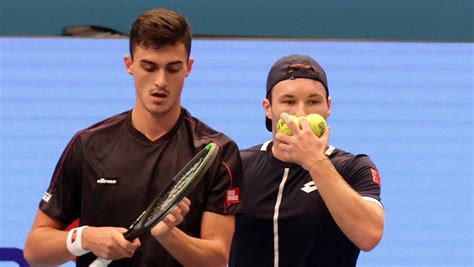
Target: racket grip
[
  {"x": 130, "y": 235},
  {"x": 99, "y": 262}
]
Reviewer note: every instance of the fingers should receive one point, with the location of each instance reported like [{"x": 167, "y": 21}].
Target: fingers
[
  {"x": 110, "y": 243},
  {"x": 128, "y": 247},
  {"x": 174, "y": 218},
  {"x": 290, "y": 123},
  {"x": 183, "y": 205},
  {"x": 303, "y": 144},
  {"x": 305, "y": 126},
  {"x": 326, "y": 134},
  {"x": 186, "y": 201},
  {"x": 119, "y": 247}
]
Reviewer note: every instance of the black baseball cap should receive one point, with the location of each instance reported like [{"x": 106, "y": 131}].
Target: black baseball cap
[{"x": 281, "y": 71}]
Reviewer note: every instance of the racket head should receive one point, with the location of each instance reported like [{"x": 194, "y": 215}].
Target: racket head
[{"x": 181, "y": 185}]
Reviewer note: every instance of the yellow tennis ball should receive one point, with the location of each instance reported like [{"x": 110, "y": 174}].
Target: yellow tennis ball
[
  {"x": 317, "y": 123},
  {"x": 282, "y": 127}
]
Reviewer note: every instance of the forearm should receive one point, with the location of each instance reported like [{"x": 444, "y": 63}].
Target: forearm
[
  {"x": 47, "y": 246},
  {"x": 191, "y": 251},
  {"x": 361, "y": 221}
]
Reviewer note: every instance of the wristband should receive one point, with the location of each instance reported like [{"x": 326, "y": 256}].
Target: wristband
[{"x": 74, "y": 241}]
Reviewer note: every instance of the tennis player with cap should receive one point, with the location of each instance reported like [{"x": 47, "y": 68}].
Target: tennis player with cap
[{"x": 305, "y": 203}]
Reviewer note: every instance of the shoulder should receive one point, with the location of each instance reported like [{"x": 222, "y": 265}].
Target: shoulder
[
  {"x": 202, "y": 133},
  {"x": 355, "y": 168},
  {"x": 254, "y": 151},
  {"x": 344, "y": 159},
  {"x": 100, "y": 133},
  {"x": 105, "y": 126}
]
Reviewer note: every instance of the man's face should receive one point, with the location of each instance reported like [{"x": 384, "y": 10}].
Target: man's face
[
  {"x": 159, "y": 77},
  {"x": 297, "y": 97}
]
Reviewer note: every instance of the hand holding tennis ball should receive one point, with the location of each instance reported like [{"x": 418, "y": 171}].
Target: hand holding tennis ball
[
  {"x": 316, "y": 122},
  {"x": 282, "y": 127}
]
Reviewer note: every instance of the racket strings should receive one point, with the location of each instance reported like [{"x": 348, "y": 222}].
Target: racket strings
[{"x": 170, "y": 197}]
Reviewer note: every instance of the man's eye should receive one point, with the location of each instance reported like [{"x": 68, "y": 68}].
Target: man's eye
[
  {"x": 174, "y": 69},
  {"x": 148, "y": 68}
]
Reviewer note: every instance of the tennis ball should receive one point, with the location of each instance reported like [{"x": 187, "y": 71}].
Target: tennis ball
[
  {"x": 317, "y": 123},
  {"x": 282, "y": 127}
]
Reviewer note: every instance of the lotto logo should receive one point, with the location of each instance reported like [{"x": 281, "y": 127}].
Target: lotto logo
[{"x": 309, "y": 187}]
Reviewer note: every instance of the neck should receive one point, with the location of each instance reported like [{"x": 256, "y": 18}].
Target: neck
[{"x": 154, "y": 126}]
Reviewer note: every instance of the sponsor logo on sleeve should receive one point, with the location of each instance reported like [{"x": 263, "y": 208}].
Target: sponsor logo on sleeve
[
  {"x": 376, "y": 176},
  {"x": 46, "y": 197},
  {"x": 232, "y": 196}
]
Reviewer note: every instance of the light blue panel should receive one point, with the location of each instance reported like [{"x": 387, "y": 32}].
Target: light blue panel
[{"x": 408, "y": 105}]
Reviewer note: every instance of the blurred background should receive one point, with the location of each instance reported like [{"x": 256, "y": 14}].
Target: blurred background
[{"x": 400, "y": 77}]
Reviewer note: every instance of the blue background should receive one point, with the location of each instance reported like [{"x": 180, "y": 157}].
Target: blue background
[
  {"x": 409, "y": 105},
  {"x": 408, "y": 20}
]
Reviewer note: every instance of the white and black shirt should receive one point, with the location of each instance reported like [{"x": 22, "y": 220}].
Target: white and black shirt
[{"x": 282, "y": 219}]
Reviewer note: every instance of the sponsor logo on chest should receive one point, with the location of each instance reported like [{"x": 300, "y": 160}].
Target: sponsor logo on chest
[
  {"x": 107, "y": 180},
  {"x": 309, "y": 187}
]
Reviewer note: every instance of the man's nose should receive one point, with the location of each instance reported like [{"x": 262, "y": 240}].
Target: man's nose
[
  {"x": 300, "y": 110},
  {"x": 160, "y": 79}
]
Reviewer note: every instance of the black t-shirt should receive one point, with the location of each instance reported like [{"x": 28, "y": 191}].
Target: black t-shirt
[
  {"x": 110, "y": 172},
  {"x": 282, "y": 218}
]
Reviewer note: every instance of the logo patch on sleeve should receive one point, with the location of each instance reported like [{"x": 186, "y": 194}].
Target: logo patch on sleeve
[
  {"x": 232, "y": 196},
  {"x": 376, "y": 176},
  {"x": 46, "y": 197}
]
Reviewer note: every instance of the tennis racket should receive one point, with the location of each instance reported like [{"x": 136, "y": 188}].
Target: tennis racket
[{"x": 180, "y": 186}]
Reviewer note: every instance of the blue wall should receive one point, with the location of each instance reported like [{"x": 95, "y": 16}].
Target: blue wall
[{"x": 408, "y": 105}]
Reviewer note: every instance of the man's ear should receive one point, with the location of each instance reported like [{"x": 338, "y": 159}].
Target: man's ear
[
  {"x": 267, "y": 107},
  {"x": 190, "y": 65},
  {"x": 127, "y": 60},
  {"x": 329, "y": 107}
]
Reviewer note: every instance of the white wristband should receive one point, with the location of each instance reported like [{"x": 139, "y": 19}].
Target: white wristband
[{"x": 74, "y": 241}]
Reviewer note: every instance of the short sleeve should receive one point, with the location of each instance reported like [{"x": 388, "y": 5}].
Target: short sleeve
[
  {"x": 224, "y": 190},
  {"x": 62, "y": 199},
  {"x": 362, "y": 175}
]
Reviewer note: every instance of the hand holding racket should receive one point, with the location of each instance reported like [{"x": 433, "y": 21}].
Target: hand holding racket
[
  {"x": 174, "y": 218},
  {"x": 180, "y": 186}
]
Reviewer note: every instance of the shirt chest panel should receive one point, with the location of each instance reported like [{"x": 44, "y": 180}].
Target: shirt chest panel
[
  {"x": 300, "y": 199},
  {"x": 127, "y": 176}
]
